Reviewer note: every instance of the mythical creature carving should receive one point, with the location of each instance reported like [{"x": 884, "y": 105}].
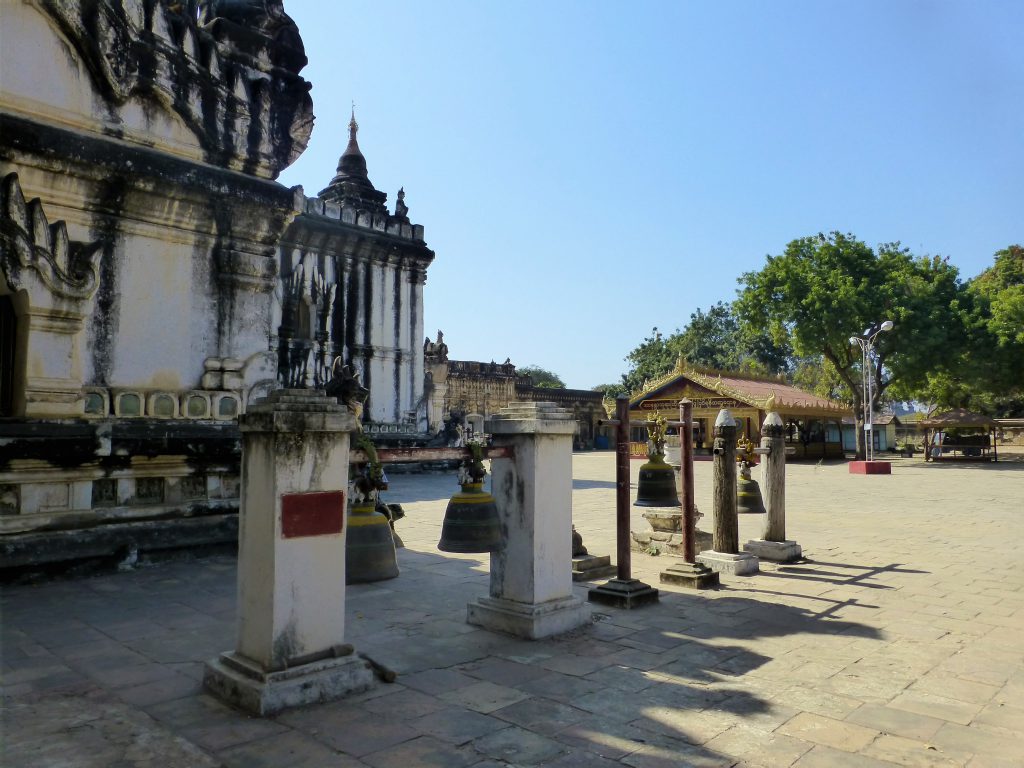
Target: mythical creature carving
[{"x": 70, "y": 270}]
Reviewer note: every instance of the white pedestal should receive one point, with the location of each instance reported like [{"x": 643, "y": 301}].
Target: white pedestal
[
  {"x": 246, "y": 685},
  {"x": 775, "y": 551},
  {"x": 531, "y": 582},
  {"x": 529, "y": 620},
  {"x": 740, "y": 564},
  {"x": 291, "y": 559}
]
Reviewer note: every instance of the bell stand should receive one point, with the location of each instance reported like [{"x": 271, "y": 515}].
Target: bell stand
[{"x": 623, "y": 591}]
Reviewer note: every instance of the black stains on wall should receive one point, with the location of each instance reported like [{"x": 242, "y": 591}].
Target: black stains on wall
[{"x": 111, "y": 197}]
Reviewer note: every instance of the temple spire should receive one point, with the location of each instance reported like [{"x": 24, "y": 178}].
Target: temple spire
[{"x": 351, "y": 185}]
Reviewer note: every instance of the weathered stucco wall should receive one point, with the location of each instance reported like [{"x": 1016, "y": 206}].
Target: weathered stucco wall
[{"x": 159, "y": 280}]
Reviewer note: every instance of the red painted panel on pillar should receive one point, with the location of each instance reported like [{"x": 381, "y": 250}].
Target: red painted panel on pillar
[{"x": 312, "y": 514}]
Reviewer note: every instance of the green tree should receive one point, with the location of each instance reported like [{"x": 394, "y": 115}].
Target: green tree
[
  {"x": 653, "y": 357},
  {"x": 825, "y": 289},
  {"x": 541, "y": 377},
  {"x": 994, "y": 364},
  {"x": 712, "y": 339},
  {"x": 611, "y": 390}
]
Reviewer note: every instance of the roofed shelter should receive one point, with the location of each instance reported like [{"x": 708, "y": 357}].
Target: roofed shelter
[
  {"x": 970, "y": 434},
  {"x": 813, "y": 423}
]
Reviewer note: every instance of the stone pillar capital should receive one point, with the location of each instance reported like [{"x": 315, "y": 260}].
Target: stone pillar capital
[{"x": 531, "y": 418}]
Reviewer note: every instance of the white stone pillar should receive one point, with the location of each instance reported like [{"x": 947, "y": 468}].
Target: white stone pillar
[
  {"x": 531, "y": 592},
  {"x": 291, "y": 559},
  {"x": 773, "y": 544}
]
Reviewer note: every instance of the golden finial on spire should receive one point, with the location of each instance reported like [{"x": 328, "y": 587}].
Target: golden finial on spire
[
  {"x": 769, "y": 404},
  {"x": 353, "y": 126}
]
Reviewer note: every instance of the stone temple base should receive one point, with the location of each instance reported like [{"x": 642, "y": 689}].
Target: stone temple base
[
  {"x": 245, "y": 685},
  {"x": 775, "y": 551},
  {"x": 531, "y": 621},
  {"x": 740, "y": 564}
]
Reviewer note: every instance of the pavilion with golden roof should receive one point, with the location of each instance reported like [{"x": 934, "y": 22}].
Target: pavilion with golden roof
[{"x": 813, "y": 423}]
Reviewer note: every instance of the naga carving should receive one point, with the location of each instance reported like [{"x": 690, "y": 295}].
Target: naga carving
[{"x": 70, "y": 270}]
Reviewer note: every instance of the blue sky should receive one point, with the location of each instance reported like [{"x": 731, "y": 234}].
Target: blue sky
[{"x": 588, "y": 170}]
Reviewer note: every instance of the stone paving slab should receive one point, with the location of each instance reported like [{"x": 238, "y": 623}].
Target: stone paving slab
[{"x": 896, "y": 642}]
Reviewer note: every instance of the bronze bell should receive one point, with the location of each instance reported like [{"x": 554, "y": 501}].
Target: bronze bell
[
  {"x": 471, "y": 521},
  {"x": 748, "y": 494},
  {"x": 369, "y": 546},
  {"x": 657, "y": 486}
]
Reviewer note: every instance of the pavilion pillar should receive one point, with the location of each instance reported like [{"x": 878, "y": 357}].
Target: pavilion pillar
[
  {"x": 773, "y": 544},
  {"x": 725, "y": 557}
]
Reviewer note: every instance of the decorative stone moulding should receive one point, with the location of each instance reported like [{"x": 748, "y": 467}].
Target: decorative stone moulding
[
  {"x": 226, "y": 405},
  {"x": 162, "y": 405},
  {"x": 97, "y": 402},
  {"x": 128, "y": 404},
  {"x": 196, "y": 405}
]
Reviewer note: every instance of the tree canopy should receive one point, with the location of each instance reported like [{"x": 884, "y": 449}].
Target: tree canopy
[
  {"x": 825, "y": 289},
  {"x": 712, "y": 339},
  {"x": 541, "y": 377}
]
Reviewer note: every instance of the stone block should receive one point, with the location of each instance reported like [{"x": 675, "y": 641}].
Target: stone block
[
  {"x": 529, "y": 620},
  {"x": 587, "y": 567},
  {"x": 740, "y": 564},
  {"x": 775, "y": 551},
  {"x": 624, "y": 593},
  {"x": 245, "y": 685},
  {"x": 692, "y": 575}
]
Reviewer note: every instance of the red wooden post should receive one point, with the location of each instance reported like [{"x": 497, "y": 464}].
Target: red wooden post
[
  {"x": 686, "y": 481},
  {"x": 622, "y": 495}
]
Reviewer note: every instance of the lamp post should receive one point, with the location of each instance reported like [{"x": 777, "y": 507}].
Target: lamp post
[{"x": 866, "y": 344}]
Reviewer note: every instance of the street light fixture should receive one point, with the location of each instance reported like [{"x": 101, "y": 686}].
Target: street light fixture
[{"x": 866, "y": 344}]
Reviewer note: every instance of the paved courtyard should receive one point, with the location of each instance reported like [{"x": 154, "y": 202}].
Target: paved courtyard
[{"x": 900, "y": 641}]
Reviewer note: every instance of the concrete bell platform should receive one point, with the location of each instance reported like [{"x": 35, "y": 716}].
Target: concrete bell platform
[
  {"x": 623, "y": 593},
  {"x": 588, "y": 567},
  {"x": 870, "y": 468},
  {"x": 243, "y": 684},
  {"x": 691, "y": 575},
  {"x": 775, "y": 551},
  {"x": 529, "y": 620},
  {"x": 740, "y": 564}
]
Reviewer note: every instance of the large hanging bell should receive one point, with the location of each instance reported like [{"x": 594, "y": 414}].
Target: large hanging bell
[
  {"x": 471, "y": 521},
  {"x": 657, "y": 486},
  {"x": 369, "y": 546},
  {"x": 748, "y": 495}
]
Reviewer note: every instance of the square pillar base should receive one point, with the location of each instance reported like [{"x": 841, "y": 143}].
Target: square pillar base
[
  {"x": 244, "y": 684},
  {"x": 530, "y": 620},
  {"x": 870, "y": 468},
  {"x": 775, "y": 551},
  {"x": 691, "y": 575},
  {"x": 740, "y": 564},
  {"x": 587, "y": 567},
  {"x": 623, "y": 593}
]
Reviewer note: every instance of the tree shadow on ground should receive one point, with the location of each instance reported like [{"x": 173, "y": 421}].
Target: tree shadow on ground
[{"x": 586, "y": 485}]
